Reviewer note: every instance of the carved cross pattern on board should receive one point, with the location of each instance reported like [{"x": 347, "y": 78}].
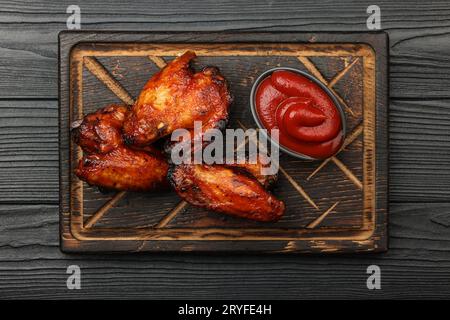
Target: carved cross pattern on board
[{"x": 102, "y": 74}]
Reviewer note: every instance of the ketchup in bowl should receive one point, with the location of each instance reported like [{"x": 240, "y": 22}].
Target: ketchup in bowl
[{"x": 310, "y": 123}]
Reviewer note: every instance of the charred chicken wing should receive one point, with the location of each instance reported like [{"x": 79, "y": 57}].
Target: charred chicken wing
[
  {"x": 125, "y": 169},
  {"x": 225, "y": 190},
  {"x": 107, "y": 162},
  {"x": 256, "y": 170},
  {"x": 100, "y": 131},
  {"x": 174, "y": 98}
]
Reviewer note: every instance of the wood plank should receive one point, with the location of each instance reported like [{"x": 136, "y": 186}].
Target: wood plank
[
  {"x": 29, "y": 151},
  {"x": 419, "y": 42},
  {"x": 419, "y": 150},
  {"x": 416, "y": 266}
]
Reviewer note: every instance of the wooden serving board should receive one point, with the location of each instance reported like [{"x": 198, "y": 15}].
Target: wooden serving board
[{"x": 337, "y": 205}]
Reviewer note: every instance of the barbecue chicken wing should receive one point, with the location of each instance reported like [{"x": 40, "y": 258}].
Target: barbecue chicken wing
[
  {"x": 174, "y": 98},
  {"x": 225, "y": 190},
  {"x": 256, "y": 170},
  {"x": 107, "y": 162},
  {"x": 100, "y": 131},
  {"x": 125, "y": 169}
]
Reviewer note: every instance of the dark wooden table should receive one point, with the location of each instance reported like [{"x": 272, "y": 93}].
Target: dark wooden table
[{"x": 418, "y": 262}]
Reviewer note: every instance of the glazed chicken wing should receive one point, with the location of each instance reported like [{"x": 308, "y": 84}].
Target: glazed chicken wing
[
  {"x": 100, "y": 131},
  {"x": 174, "y": 98},
  {"x": 225, "y": 190},
  {"x": 125, "y": 169},
  {"x": 256, "y": 170},
  {"x": 107, "y": 162}
]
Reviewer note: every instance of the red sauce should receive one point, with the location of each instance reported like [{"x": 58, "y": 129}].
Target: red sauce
[{"x": 307, "y": 118}]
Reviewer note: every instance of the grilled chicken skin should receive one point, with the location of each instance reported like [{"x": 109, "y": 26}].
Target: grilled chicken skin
[
  {"x": 125, "y": 169},
  {"x": 256, "y": 170},
  {"x": 224, "y": 189},
  {"x": 100, "y": 131},
  {"x": 174, "y": 98},
  {"x": 108, "y": 163}
]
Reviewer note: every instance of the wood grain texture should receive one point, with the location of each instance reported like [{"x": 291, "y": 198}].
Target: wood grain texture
[
  {"x": 32, "y": 266},
  {"x": 28, "y": 151},
  {"x": 30, "y": 41},
  {"x": 417, "y": 264}
]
